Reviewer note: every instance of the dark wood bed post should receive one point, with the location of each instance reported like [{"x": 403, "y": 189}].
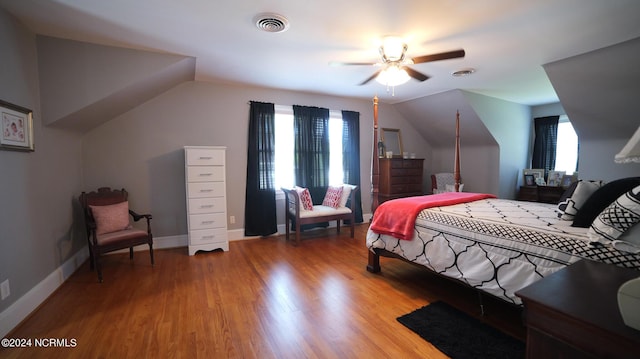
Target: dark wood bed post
[
  {"x": 373, "y": 264},
  {"x": 375, "y": 166},
  {"x": 456, "y": 163}
]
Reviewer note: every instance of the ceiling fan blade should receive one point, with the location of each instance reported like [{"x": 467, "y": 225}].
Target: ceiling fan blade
[
  {"x": 338, "y": 63},
  {"x": 415, "y": 74},
  {"x": 441, "y": 56},
  {"x": 370, "y": 78}
]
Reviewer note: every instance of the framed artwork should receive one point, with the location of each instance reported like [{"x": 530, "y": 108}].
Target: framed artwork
[
  {"x": 555, "y": 178},
  {"x": 16, "y": 126},
  {"x": 529, "y": 180},
  {"x": 392, "y": 141},
  {"x": 538, "y": 175}
]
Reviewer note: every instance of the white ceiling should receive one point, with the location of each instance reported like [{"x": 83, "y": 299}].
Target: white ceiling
[{"x": 506, "y": 41}]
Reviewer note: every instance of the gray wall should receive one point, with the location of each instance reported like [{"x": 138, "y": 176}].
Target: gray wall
[
  {"x": 37, "y": 189},
  {"x": 141, "y": 150}
]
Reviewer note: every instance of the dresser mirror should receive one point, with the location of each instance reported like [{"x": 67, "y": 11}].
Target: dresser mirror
[{"x": 392, "y": 141}]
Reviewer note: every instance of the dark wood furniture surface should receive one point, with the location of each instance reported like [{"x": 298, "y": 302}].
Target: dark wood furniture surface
[
  {"x": 573, "y": 313},
  {"x": 400, "y": 177},
  {"x": 545, "y": 194}
]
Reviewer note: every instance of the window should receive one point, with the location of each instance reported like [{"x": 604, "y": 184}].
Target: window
[
  {"x": 284, "y": 148},
  {"x": 566, "y": 147}
]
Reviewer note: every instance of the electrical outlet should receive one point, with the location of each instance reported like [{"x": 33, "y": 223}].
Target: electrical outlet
[
  {"x": 4, "y": 289},
  {"x": 232, "y": 219}
]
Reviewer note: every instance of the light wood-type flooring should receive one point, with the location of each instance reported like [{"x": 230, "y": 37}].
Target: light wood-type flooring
[{"x": 264, "y": 298}]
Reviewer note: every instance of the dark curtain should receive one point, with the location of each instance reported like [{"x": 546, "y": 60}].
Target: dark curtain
[
  {"x": 311, "y": 149},
  {"x": 311, "y": 153},
  {"x": 260, "y": 201},
  {"x": 351, "y": 156},
  {"x": 544, "y": 146}
]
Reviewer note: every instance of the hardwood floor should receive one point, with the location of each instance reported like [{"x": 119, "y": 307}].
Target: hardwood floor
[{"x": 263, "y": 299}]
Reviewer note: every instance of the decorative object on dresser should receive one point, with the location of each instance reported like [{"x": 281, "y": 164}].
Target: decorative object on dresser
[
  {"x": 573, "y": 313},
  {"x": 106, "y": 214},
  {"x": 392, "y": 140},
  {"x": 400, "y": 178},
  {"x": 206, "y": 198}
]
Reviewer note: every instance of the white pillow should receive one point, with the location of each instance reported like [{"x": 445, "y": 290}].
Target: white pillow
[
  {"x": 617, "y": 218},
  {"x": 305, "y": 202},
  {"x": 346, "y": 193}
]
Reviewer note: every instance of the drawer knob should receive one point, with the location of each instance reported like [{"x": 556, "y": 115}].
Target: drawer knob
[
  {"x": 205, "y": 158},
  {"x": 205, "y": 174},
  {"x": 208, "y": 237},
  {"x": 206, "y": 190},
  {"x": 208, "y": 222}
]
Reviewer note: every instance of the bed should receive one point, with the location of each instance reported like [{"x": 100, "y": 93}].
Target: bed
[{"x": 496, "y": 246}]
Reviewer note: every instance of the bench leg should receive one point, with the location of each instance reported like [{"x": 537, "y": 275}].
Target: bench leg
[
  {"x": 286, "y": 224},
  {"x": 338, "y": 226}
]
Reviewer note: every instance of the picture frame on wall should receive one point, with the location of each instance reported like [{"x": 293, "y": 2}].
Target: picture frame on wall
[{"x": 16, "y": 127}]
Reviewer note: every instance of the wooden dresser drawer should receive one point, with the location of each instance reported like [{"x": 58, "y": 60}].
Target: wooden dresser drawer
[
  {"x": 205, "y": 173},
  {"x": 204, "y": 157}
]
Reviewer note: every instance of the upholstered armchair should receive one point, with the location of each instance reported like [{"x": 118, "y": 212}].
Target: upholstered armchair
[
  {"x": 108, "y": 225},
  {"x": 444, "y": 182}
]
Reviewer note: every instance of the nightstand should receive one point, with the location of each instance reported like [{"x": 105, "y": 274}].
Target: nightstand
[{"x": 573, "y": 313}]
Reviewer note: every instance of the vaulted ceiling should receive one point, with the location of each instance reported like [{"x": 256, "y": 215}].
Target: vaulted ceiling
[{"x": 506, "y": 41}]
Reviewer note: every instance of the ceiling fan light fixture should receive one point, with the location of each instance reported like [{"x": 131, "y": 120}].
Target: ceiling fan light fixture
[
  {"x": 393, "y": 76},
  {"x": 393, "y": 48}
]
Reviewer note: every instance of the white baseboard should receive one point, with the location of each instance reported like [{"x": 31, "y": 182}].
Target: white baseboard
[{"x": 20, "y": 309}]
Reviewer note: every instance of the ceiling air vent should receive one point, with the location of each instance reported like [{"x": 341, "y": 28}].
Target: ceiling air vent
[{"x": 271, "y": 22}]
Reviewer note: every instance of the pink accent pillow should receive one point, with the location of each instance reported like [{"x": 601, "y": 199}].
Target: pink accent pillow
[
  {"x": 305, "y": 198},
  {"x": 111, "y": 218},
  {"x": 333, "y": 197}
]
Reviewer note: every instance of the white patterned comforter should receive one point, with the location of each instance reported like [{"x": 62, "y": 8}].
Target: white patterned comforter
[{"x": 498, "y": 246}]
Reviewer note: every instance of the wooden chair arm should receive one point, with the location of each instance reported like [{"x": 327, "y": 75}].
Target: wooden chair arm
[{"x": 137, "y": 217}]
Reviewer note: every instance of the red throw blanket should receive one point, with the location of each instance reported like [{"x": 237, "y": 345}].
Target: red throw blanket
[{"x": 397, "y": 217}]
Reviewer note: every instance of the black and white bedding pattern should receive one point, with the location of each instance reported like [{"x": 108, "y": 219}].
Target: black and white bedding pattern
[{"x": 498, "y": 246}]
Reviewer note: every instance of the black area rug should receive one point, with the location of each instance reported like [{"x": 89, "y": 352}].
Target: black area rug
[{"x": 460, "y": 335}]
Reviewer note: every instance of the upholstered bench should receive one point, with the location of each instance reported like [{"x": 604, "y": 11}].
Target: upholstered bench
[{"x": 334, "y": 208}]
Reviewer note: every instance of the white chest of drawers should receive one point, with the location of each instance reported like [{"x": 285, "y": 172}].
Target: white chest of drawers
[{"x": 206, "y": 198}]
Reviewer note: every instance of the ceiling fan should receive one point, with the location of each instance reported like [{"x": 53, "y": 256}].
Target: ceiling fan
[{"x": 395, "y": 65}]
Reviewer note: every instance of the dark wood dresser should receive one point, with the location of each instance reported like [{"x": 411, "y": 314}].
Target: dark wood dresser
[
  {"x": 545, "y": 194},
  {"x": 574, "y": 313},
  {"x": 400, "y": 178}
]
